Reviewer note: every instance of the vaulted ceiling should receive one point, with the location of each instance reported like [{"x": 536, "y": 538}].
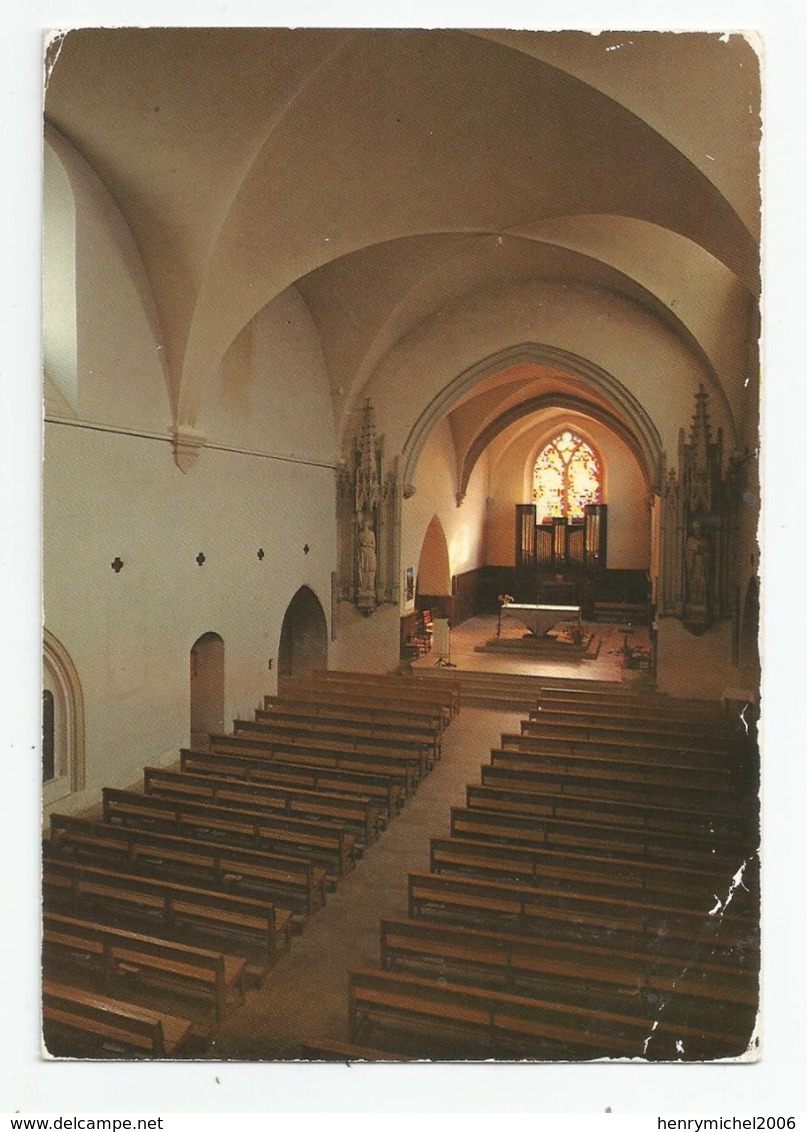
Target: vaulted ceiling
[{"x": 396, "y": 178}]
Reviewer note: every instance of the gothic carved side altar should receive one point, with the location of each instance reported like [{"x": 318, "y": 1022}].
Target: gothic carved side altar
[
  {"x": 699, "y": 526},
  {"x": 367, "y": 508}
]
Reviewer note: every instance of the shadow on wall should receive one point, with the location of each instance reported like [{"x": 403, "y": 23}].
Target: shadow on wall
[{"x": 303, "y": 636}]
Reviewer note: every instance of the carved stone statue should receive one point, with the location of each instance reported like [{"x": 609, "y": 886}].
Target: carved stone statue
[
  {"x": 697, "y": 566},
  {"x": 368, "y": 565}
]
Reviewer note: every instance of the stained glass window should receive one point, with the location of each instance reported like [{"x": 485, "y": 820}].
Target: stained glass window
[{"x": 567, "y": 476}]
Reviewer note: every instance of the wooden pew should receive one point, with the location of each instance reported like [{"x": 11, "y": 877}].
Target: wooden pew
[
  {"x": 403, "y": 766},
  {"x": 296, "y": 883},
  {"x": 630, "y": 704},
  {"x": 656, "y": 737},
  {"x": 530, "y": 865},
  {"x": 442, "y": 690},
  {"x": 356, "y": 814},
  {"x": 326, "y": 1049},
  {"x": 635, "y": 924},
  {"x": 257, "y": 930},
  {"x": 106, "y": 1025},
  {"x": 345, "y": 735},
  {"x": 527, "y": 755},
  {"x": 326, "y": 844},
  {"x": 626, "y": 783},
  {"x": 719, "y": 829},
  {"x": 632, "y": 719},
  {"x": 382, "y": 789},
  {"x": 589, "y": 836},
  {"x": 452, "y": 1020},
  {"x": 716, "y": 995},
  {"x": 115, "y": 954},
  {"x": 682, "y": 750},
  {"x": 333, "y": 706}
]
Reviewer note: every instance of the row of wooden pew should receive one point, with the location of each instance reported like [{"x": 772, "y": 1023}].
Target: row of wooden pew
[
  {"x": 162, "y": 911},
  {"x": 597, "y": 898}
]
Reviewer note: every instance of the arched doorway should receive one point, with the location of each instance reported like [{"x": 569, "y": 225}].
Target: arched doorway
[
  {"x": 62, "y": 723},
  {"x": 207, "y": 689},
  {"x": 303, "y": 636},
  {"x": 434, "y": 568}
]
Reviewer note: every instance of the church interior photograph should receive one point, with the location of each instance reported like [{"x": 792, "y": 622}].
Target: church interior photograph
[{"x": 400, "y": 563}]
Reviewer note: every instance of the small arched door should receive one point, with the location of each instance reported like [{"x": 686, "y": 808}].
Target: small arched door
[
  {"x": 206, "y": 689},
  {"x": 303, "y": 636}
]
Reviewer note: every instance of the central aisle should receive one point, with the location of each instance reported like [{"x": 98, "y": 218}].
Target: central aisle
[{"x": 305, "y": 994}]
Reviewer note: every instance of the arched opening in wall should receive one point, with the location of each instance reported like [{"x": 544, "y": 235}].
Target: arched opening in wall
[
  {"x": 59, "y": 337},
  {"x": 62, "y": 723},
  {"x": 303, "y": 636},
  {"x": 206, "y": 689},
  {"x": 434, "y": 569}
]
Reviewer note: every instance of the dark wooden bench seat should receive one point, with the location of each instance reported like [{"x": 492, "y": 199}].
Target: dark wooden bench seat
[
  {"x": 715, "y": 996},
  {"x": 356, "y": 814},
  {"x": 632, "y": 719},
  {"x": 114, "y": 953},
  {"x": 327, "y": 1049},
  {"x": 335, "y": 706},
  {"x": 524, "y": 754},
  {"x": 325, "y": 843},
  {"x": 618, "y": 698},
  {"x": 255, "y": 929},
  {"x": 628, "y": 785},
  {"x": 634, "y": 611},
  {"x": 530, "y": 865},
  {"x": 636, "y": 924},
  {"x": 407, "y": 766},
  {"x": 295, "y": 882},
  {"x": 302, "y": 730},
  {"x": 714, "y": 827},
  {"x": 455, "y": 1020},
  {"x": 657, "y": 737},
  {"x": 590, "y": 836},
  {"x": 563, "y": 738},
  {"x": 384, "y": 790},
  {"x": 420, "y": 687},
  {"x": 108, "y": 1026}
]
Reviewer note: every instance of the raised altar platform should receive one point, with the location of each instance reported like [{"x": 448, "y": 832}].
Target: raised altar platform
[{"x": 536, "y": 619}]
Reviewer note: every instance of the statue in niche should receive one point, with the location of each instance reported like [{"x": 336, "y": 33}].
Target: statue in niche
[
  {"x": 368, "y": 565},
  {"x": 697, "y": 566}
]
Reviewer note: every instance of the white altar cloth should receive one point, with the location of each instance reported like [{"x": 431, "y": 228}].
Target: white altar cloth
[{"x": 537, "y": 619}]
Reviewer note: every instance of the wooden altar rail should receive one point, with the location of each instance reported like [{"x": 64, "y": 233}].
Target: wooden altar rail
[
  {"x": 404, "y": 766},
  {"x": 382, "y": 789},
  {"x": 361, "y": 817},
  {"x": 294, "y": 882},
  {"x": 108, "y": 1026},
  {"x": 492, "y": 1024},
  {"x": 116, "y": 955},
  {"x": 323, "y": 842}
]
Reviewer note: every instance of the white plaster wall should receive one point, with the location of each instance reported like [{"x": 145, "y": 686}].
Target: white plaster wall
[
  {"x": 130, "y": 634},
  {"x": 435, "y": 494},
  {"x": 625, "y": 493}
]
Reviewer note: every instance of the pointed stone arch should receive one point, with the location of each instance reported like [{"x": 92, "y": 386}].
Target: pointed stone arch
[
  {"x": 63, "y": 721},
  {"x": 303, "y": 636},
  {"x": 206, "y": 689}
]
